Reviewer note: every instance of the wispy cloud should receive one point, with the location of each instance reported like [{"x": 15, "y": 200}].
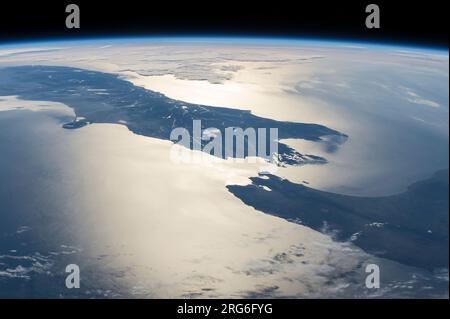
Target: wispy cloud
[{"x": 415, "y": 98}]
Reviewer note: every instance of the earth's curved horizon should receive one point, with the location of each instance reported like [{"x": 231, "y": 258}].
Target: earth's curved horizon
[{"x": 87, "y": 178}]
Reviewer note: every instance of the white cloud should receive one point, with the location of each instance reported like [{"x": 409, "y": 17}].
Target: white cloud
[{"x": 413, "y": 97}]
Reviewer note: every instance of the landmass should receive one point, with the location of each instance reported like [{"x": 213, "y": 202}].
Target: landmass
[
  {"x": 106, "y": 98},
  {"x": 410, "y": 227}
]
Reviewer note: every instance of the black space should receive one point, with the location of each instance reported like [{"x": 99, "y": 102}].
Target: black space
[{"x": 402, "y": 22}]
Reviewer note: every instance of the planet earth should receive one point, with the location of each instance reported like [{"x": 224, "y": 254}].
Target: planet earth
[{"x": 359, "y": 176}]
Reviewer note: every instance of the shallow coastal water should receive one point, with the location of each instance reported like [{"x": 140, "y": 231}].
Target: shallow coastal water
[{"x": 140, "y": 225}]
